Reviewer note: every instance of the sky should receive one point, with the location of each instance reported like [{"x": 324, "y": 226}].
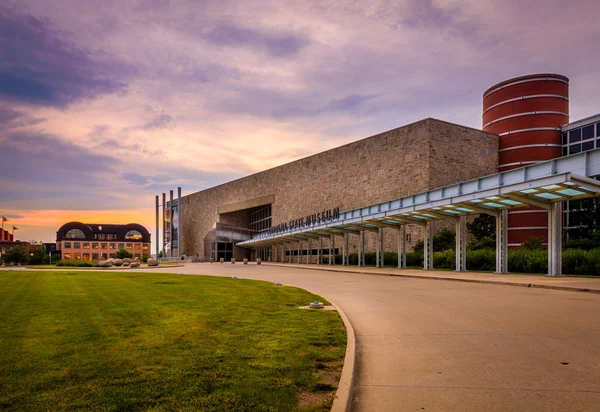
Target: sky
[{"x": 103, "y": 105}]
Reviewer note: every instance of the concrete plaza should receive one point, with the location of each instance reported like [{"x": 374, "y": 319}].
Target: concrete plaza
[{"x": 436, "y": 345}]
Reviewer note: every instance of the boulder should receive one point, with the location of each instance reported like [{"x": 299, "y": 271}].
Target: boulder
[
  {"x": 105, "y": 263},
  {"x": 117, "y": 262},
  {"x": 127, "y": 260},
  {"x": 126, "y": 263},
  {"x": 134, "y": 264},
  {"x": 152, "y": 262}
]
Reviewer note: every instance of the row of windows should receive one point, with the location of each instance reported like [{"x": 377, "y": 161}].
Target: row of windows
[
  {"x": 94, "y": 256},
  {"x": 78, "y": 234},
  {"x": 583, "y": 133},
  {"x": 86, "y": 245},
  {"x": 581, "y": 147}
]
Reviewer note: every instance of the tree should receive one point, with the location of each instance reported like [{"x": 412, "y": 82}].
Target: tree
[
  {"x": 482, "y": 226},
  {"x": 442, "y": 241},
  {"x": 122, "y": 254},
  {"x": 17, "y": 254},
  {"x": 37, "y": 256}
]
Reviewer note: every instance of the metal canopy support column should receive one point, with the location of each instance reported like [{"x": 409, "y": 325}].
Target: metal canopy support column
[
  {"x": 362, "y": 248},
  {"x": 428, "y": 248},
  {"x": 377, "y": 247},
  {"x": 359, "y": 249},
  {"x": 402, "y": 247},
  {"x": 555, "y": 215},
  {"x": 309, "y": 251},
  {"x": 381, "y": 248},
  {"x": 346, "y": 258},
  {"x": 299, "y": 251},
  {"x": 320, "y": 252},
  {"x": 290, "y": 251},
  {"x": 502, "y": 242},
  {"x": 461, "y": 244},
  {"x": 329, "y": 260},
  {"x": 333, "y": 249}
]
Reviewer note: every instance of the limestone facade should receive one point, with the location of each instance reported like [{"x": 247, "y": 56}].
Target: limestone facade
[{"x": 414, "y": 158}]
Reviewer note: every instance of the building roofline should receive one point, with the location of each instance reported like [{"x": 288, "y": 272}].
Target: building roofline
[
  {"x": 581, "y": 122},
  {"x": 344, "y": 145},
  {"x": 524, "y": 77}
]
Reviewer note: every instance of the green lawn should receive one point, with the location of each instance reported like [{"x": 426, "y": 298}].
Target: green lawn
[{"x": 144, "y": 341}]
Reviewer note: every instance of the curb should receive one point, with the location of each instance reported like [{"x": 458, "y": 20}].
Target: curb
[
  {"x": 487, "y": 282},
  {"x": 343, "y": 396}
]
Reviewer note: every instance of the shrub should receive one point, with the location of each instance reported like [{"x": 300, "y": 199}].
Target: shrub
[
  {"x": 77, "y": 263},
  {"x": 145, "y": 258},
  {"x": 444, "y": 260},
  {"x": 482, "y": 259},
  {"x": 533, "y": 243},
  {"x": 528, "y": 261},
  {"x": 487, "y": 242},
  {"x": 414, "y": 259},
  {"x": 122, "y": 254}
]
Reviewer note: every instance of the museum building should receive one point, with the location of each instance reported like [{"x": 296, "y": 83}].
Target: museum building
[
  {"x": 525, "y": 120},
  {"x": 96, "y": 241}
]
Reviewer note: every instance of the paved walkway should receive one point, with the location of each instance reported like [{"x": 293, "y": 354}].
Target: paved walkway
[
  {"x": 434, "y": 345},
  {"x": 579, "y": 284}
]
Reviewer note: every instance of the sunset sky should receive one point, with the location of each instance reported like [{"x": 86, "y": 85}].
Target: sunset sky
[{"x": 105, "y": 104}]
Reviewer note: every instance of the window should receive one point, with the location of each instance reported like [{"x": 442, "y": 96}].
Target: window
[
  {"x": 76, "y": 245},
  {"x": 589, "y": 145},
  {"x": 565, "y": 150},
  {"x": 94, "y": 246},
  {"x": 112, "y": 255},
  {"x": 94, "y": 256},
  {"x": 67, "y": 245},
  {"x": 75, "y": 234},
  {"x": 113, "y": 245},
  {"x": 77, "y": 256},
  {"x": 137, "y": 246},
  {"x": 103, "y": 255},
  {"x": 111, "y": 237},
  {"x": 129, "y": 246},
  {"x": 564, "y": 138},
  {"x": 101, "y": 236},
  {"x": 597, "y": 129},
  {"x": 103, "y": 245},
  {"x": 575, "y": 148},
  {"x": 67, "y": 256},
  {"x": 137, "y": 255},
  {"x": 408, "y": 238},
  {"x": 588, "y": 132},
  {"x": 133, "y": 235},
  {"x": 86, "y": 245},
  {"x": 145, "y": 248},
  {"x": 121, "y": 246},
  {"x": 575, "y": 135},
  {"x": 86, "y": 256}
]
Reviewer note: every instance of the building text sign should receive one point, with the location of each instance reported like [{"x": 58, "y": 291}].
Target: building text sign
[{"x": 310, "y": 220}]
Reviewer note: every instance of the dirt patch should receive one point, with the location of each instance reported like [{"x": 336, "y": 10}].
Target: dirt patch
[{"x": 315, "y": 399}]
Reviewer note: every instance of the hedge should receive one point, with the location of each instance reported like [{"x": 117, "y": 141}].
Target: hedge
[
  {"x": 575, "y": 261},
  {"x": 77, "y": 263}
]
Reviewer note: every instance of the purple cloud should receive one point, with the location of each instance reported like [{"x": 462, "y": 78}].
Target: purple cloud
[
  {"x": 160, "y": 121},
  {"x": 275, "y": 44},
  {"x": 39, "y": 65}
]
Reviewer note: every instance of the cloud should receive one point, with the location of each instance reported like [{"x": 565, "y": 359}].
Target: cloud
[
  {"x": 160, "y": 121},
  {"x": 31, "y": 157},
  {"x": 275, "y": 44},
  {"x": 40, "y": 65}
]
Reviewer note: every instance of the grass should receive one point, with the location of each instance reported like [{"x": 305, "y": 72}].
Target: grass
[
  {"x": 142, "y": 266},
  {"x": 114, "y": 341}
]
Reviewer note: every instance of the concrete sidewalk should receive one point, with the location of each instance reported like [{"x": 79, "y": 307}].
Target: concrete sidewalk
[{"x": 575, "y": 284}]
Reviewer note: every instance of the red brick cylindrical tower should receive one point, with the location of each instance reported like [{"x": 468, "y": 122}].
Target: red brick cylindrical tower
[{"x": 527, "y": 113}]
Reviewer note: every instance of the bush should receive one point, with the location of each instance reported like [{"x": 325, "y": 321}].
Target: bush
[
  {"x": 77, "y": 263},
  {"x": 122, "y": 254},
  {"x": 487, "y": 242},
  {"x": 17, "y": 254},
  {"x": 444, "y": 260},
  {"x": 414, "y": 259},
  {"x": 145, "y": 258},
  {"x": 482, "y": 259},
  {"x": 533, "y": 243},
  {"x": 528, "y": 261}
]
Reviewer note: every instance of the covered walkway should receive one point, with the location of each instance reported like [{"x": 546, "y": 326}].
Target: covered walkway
[{"x": 545, "y": 184}]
